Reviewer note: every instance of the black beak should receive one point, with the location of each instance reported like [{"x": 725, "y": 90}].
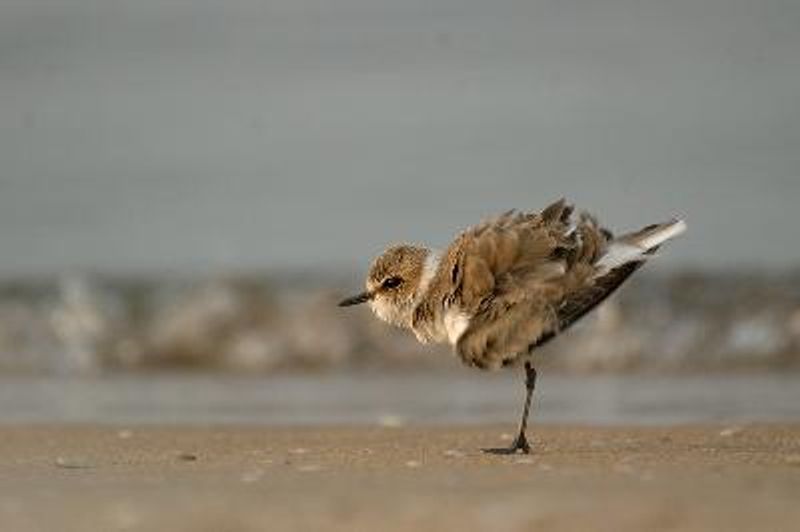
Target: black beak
[{"x": 356, "y": 300}]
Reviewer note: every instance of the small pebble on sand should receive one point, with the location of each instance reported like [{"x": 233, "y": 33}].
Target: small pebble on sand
[
  {"x": 72, "y": 463},
  {"x": 730, "y": 431},
  {"x": 793, "y": 459},
  {"x": 391, "y": 421},
  {"x": 413, "y": 464},
  {"x": 453, "y": 453},
  {"x": 124, "y": 434}
]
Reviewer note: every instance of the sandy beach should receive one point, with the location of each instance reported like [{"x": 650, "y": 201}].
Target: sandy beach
[{"x": 247, "y": 478}]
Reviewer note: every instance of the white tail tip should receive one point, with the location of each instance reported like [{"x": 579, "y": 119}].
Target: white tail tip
[
  {"x": 668, "y": 232},
  {"x": 638, "y": 246}
]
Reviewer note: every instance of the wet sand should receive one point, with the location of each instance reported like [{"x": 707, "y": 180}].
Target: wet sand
[{"x": 224, "y": 478}]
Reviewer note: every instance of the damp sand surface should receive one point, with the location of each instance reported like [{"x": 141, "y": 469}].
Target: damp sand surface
[{"x": 248, "y": 478}]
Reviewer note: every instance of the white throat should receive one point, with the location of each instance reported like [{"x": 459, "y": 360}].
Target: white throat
[{"x": 428, "y": 273}]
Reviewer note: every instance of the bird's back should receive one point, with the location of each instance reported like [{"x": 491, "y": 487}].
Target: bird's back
[{"x": 511, "y": 283}]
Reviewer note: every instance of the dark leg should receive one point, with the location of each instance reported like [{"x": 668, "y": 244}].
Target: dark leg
[{"x": 521, "y": 441}]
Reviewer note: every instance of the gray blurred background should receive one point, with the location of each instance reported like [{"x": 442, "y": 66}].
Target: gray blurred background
[
  {"x": 174, "y": 136},
  {"x": 191, "y": 185}
]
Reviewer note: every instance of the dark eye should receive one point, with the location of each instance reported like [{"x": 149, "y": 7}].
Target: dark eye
[{"x": 392, "y": 282}]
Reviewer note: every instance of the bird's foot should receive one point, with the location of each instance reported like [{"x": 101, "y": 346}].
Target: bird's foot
[{"x": 520, "y": 444}]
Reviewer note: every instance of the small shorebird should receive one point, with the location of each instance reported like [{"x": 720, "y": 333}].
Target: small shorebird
[{"x": 507, "y": 286}]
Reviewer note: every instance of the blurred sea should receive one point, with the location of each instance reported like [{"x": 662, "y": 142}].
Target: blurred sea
[
  {"x": 401, "y": 398},
  {"x": 682, "y": 322},
  {"x": 667, "y": 349}
]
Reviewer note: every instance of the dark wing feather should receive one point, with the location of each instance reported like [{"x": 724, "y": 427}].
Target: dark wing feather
[{"x": 583, "y": 301}]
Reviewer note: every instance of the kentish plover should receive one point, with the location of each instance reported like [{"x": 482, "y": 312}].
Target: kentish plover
[{"x": 508, "y": 285}]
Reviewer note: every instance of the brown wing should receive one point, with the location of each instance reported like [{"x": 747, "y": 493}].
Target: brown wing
[
  {"x": 580, "y": 303},
  {"x": 500, "y": 258},
  {"x": 513, "y": 274}
]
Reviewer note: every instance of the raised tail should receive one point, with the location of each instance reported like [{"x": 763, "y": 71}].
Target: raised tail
[
  {"x": 624, "y": 255},
  {"x": 637, "y": 246}
]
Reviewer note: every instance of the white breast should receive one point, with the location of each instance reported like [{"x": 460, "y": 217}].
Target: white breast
[{"x": 455, "y": 323}]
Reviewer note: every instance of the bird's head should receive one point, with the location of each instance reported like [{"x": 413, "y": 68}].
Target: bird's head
[{"x": 396, "y": 281}]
